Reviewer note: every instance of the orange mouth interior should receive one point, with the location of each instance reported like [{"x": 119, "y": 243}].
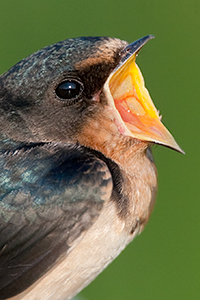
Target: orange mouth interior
[{"x": 135, "y": 106}]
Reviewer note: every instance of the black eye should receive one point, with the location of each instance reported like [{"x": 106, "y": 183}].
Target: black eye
[{"x": 69, "y": 89}]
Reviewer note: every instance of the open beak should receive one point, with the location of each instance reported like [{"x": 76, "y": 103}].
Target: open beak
[{"x": 128, "y": 97}]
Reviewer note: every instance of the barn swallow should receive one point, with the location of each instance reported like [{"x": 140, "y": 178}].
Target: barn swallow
[{"x": 78, "y": 180}]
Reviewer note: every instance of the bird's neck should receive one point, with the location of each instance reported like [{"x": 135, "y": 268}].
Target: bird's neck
[{"x": 106, "y": 139}]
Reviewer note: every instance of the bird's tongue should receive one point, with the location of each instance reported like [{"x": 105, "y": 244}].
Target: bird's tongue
[{"x": 135, "y": 106}]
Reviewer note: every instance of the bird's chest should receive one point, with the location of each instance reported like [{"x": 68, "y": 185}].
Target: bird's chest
[
  {"x": 119, "y": 222},
  {"x": 121, "y": 219}
]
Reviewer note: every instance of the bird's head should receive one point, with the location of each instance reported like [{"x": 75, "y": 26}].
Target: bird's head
[{"x": 85, "y": 90}]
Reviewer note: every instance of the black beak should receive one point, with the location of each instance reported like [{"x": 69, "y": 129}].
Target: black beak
[{"x": 133, "y": 48}]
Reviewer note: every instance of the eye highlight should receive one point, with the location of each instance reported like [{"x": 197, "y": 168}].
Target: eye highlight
[{"x": 69, "y": 89}]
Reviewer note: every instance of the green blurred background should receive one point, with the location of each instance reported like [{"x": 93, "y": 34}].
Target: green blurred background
[{"x": 163, "y": 262}]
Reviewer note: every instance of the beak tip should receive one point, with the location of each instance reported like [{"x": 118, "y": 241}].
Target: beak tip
[
  {"x": 174, "y": 146},
  {"x": 181, "y": 150},
  {"x": 151, "y": 36}
]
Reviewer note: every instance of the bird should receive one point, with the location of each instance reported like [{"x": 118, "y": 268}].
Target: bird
[{"x": 78, "y": 179}]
